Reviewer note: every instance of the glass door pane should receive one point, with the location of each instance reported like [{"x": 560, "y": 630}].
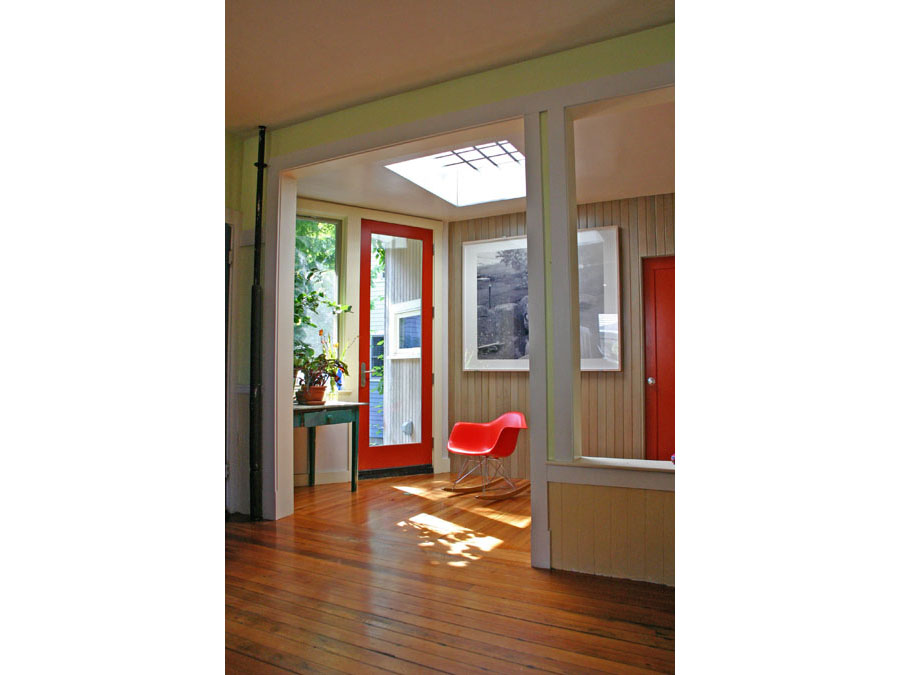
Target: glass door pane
[{"x": 395, "y": 341}]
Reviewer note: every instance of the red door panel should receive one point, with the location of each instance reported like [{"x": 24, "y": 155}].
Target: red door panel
[
  {"x": 388, "y": 455},
  {"x": 659, "y": 332}
]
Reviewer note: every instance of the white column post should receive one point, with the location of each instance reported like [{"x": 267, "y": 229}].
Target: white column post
[
  {"x": 566, "y": 344},
  {"x": 537, "y": 344},
  {"x": 278, "y": 345}
]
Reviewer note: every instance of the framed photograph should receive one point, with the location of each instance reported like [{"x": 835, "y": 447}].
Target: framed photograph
[
  {"x": 495, "y": 302},
  {"x": 598, "y": 298}
]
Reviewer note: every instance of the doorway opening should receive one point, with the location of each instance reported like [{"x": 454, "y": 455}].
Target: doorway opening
[
  {"x": 659, "y": 356},
  {"x": 395, "y": 274}
]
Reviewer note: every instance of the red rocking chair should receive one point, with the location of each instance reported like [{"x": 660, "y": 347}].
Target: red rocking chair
[{"x": 483, "y": 446}]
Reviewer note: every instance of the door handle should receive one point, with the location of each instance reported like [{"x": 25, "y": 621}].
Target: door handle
[
  {"x": 362, "y": 373},
  {"x": 651, "y": 381}
]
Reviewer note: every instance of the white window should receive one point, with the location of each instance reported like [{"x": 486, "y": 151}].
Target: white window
[{"x": 405, "y": 339}]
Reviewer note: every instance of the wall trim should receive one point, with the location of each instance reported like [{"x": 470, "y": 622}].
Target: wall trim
[
  {"x": 580, "y": 474},
  {"x": 609, "y": 86},
  {"x": 281, "y": 189},
  {"x": 322, "y": 478}
]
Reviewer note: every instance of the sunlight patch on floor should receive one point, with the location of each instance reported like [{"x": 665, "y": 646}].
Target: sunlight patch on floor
[
  {"x": 420, "y": 492},
  {"x": 456, "y": 539},
  {"x": 493, "y": 513},
  {"x": 467, "y": 503}
]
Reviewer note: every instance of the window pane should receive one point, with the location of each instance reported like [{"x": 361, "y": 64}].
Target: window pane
[
  {"x": 395, "y": 396},
  {"x": 315, "y": 270},
  {"x": 410, "y": 331}
]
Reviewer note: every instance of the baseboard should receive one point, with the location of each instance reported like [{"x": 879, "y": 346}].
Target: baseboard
[
  {"x": 322, "y": 478},
  {"x": 396, "y": 471}
]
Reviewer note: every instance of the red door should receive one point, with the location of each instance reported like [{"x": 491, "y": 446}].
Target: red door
[
  {"x": 659, "y": 360},
  {"x": 395, "y": 339}
]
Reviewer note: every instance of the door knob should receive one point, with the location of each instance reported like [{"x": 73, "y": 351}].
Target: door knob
[{"x": 651, "y": 381}]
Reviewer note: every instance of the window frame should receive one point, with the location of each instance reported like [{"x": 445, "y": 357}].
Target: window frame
[{"x": 397, "y": 311}]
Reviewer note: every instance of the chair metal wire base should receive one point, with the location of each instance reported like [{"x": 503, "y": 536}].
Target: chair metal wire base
[{"x": 492, "y": 474}]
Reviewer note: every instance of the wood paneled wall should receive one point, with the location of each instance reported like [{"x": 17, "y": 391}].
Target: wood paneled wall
[
  {"x": 612, "y": 403},
  {"x": 619, "y": 532},
  {"x": 480, "y": 396}
]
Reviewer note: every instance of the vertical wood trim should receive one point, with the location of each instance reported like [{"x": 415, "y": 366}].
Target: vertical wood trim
[
  {"x": 635, "y": 532},
  {"x": 669, "y": 539},
  {"x": 618, "y": 532},
  {"x": 584, "y": 529},
  {"x": 554, "y": 491},
  {"x": 654, "y": 539}
]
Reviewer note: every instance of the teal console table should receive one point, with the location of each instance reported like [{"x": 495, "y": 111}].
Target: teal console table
[{"x": 332, "y": 412}]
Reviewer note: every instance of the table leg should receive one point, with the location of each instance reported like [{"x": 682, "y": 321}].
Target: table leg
[
  {"x": 354, "y": 452},
  {"x": 311, "y": 453}
]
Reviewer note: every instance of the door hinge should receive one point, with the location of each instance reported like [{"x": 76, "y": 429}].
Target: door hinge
[
  {"x": 432, "y": 379},
  {"x": 432, "y": 249},
  {"x": 432, "y": 442},
  {"x": 227, "y": 470},
  {"x": 432, "y": 311}
]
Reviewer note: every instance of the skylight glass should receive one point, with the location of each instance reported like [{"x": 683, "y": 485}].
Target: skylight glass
[{"x": 476, "y": 174}]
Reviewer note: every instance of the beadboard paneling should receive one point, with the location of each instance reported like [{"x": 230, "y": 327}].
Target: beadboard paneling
[
  {"x": 480, "y": 396},
  {"x": 619, "y": 532},
  {"x": 612, "y": 403}
]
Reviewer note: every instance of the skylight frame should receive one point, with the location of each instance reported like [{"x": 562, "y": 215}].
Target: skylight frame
[{"x": 498, "y": 165}]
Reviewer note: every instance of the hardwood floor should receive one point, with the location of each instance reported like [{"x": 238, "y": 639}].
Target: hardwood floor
[{"x": 401, "y": 577}]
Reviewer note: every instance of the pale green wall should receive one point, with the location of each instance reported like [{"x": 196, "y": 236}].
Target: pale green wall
[
  {"x": 639, "y": 50},
  {"x": 233, "y": 156}
]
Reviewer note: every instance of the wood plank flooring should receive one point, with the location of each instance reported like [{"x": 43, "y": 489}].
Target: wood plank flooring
[{"x": 403, "y": 578}]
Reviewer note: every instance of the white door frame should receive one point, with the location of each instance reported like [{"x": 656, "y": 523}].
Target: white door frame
[{"x": 278, "y": 272}]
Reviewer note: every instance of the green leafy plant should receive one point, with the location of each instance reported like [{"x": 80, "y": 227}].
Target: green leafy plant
[
  {"x": 319, "y": 368},
  {"x": 308, "y": 298}
]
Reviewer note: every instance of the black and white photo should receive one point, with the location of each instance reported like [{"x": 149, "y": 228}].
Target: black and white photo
[{"x": 495, "y": 302}]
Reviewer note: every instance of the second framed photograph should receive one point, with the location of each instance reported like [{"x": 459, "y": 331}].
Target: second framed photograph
[{"x": 495, "y": 302}]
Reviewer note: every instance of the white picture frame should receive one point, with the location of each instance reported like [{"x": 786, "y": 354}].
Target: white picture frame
[{"x": 495, "y": 296}]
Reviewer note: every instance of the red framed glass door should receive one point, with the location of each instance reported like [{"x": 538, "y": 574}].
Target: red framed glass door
[{"x": 395, "y": 345}]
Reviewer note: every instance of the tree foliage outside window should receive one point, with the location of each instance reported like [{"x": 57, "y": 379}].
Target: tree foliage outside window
[{"x": 316, "y": 303}]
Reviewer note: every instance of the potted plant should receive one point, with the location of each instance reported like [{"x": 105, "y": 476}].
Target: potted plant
[{"x": 316, "y": 369}]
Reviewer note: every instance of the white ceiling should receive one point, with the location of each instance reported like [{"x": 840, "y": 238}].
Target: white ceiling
[
  {"x": 624, "y": 147},
  {"x": 291, "y": 60}
]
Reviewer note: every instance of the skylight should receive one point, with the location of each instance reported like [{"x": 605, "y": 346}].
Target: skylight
[{"x": 473, "y": 175}]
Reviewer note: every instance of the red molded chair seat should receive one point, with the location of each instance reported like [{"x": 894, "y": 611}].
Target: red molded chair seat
[{"x": 486, "y": 444}]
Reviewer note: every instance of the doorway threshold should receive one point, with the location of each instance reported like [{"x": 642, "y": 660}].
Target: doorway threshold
[{"x": 396, "y": 471}]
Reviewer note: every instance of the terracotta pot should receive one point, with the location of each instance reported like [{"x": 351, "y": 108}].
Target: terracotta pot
[{"x": 312, "y": 395}]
